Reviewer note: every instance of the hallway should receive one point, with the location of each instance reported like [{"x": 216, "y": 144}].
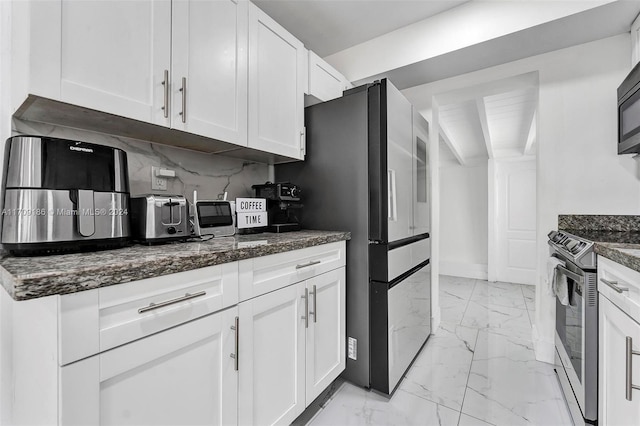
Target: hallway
[{"x": 478, "y": 369}]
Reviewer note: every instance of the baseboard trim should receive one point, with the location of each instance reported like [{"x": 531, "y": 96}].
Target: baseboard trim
[
  {"x": 465, "y": 270},
  {"x": 545, "y": 349}
]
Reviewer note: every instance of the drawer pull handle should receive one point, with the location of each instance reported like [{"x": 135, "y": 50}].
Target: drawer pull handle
[
  {"x": 187, "y": 296},
  {"x": 234, "y": 355},
  {"x": 165, "y": 83},
  {"x": 314, "y": 293},
  {"x": 629, "y": 384},
  {"x": 306, "y": 265},
  {"x": 614, "y": 285}
]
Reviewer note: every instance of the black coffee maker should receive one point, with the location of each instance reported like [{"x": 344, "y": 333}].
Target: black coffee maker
[{"x": 284, "y": 208}]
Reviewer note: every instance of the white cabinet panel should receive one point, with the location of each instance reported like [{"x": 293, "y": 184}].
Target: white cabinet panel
[
  {"x": 184, "y": 375},
  {"x": 114, "y": 55},
  {"x": 325, "y": 348},
  {"x": 615, "y": 326},
  {"x": 325, "y": 82},
  {"x": 210, "y": 52},
  {"x": 271, "y": 363},
  {"x": 277, "y": 76}
]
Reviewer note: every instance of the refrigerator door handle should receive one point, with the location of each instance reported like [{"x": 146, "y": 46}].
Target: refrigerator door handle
[{"x": 391, "y": 191}]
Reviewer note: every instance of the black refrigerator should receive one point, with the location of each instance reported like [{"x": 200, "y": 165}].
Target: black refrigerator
[{"x": 366, "y": 171}]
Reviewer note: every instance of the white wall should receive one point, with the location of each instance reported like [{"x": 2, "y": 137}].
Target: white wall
[
  {"x": 579, "y": 171},
  {"x": 463, "y": 220}
]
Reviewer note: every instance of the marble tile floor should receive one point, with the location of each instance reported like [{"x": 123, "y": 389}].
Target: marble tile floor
[{"x": 479, "y": 368}]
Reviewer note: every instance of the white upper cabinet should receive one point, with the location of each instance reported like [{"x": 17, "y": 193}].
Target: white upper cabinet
[
  {"x": 113, "y": 56},
  {"x": 209, "y": 55},
  {"x": 277, "y": 80},
  {"x": 325, "y": 82}
]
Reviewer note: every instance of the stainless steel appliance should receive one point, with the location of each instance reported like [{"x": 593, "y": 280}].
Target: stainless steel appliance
[
  {"x": 159, "y": 218},
  {"x": 63, "y": 195},
  {"x": 577, "y": 326},
  {"x": 213, "y": 217},
  {"x": 629, "y": 113},
  {"x": 366, "y": 171},
  {"x": 284, "y": 207}
]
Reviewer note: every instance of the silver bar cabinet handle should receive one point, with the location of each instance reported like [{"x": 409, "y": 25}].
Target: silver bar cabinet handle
[
  {"x": 629, "y": 382},
  {"x": 165, "y": 83},
  {"x": 235, "y": 354},
  {"x": 314, "y": 293},
  {"x": 614, "y": 285},
  {"x": 187, "y": 296},
  {"x": 306, "y": 265},
  {"x": 183, "y": 89},
  {"x": 305, "y": 317}
]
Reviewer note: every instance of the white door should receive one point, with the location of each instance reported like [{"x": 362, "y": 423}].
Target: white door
[
  {"x": 272, "y": 364},
  {"x": 615, "y": 326},
  {"x": 400, "y": 165},
  {"x": 515, "y": 226},
  {"x": 114, "y": 56},
  {"x": 325, "y": 350},
  {"x": 181, "y": 376},
  {"x": 277, "y": 77},
  {"x": 210, "y": 53}
]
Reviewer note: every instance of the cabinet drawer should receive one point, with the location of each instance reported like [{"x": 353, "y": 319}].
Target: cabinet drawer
[
  {"x": 261, "y": 275},
  {"x": 131, "y": 311},
  {"x": 624, "y": 278}
]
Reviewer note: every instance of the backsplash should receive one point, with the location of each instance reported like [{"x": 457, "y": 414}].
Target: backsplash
[{"x": 209, "y": 174}]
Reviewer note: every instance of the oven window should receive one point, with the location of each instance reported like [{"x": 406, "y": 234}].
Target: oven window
[{"x": 572, "y": 339}]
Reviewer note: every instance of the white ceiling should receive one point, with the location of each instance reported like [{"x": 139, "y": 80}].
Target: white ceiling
[
  {"x": 329, "y": 26},
  {"x": 494, "y": 120}
]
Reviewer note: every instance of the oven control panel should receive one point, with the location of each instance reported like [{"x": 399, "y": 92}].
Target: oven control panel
[{"x": 579, "y": 250}]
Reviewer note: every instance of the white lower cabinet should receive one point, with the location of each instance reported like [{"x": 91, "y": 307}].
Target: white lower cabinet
[
  {"x": 184, "y": 375},
  {"x": 619, "y": 338},
  {"x": 292, "y": 346},
  {"x": 615, "y": 327},
  {"x": 180, "y": 349}
]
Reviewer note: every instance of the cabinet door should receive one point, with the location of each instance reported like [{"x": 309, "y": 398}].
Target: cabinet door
[
  {"x": 114, "y": 54},
  {"x": 400, "y": 164},
  {"x": 209, "y": 51},
  {"x": 184, "y": 375},
  {"x": 277, "y": 75},
  {"x": 326, "y": 333},
  {"x": 615, "y": 327},
  {"x": 272, "y": 347}
]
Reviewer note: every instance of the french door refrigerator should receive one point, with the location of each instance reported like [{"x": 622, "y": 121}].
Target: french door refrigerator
[{"x": 366, "y": 172}]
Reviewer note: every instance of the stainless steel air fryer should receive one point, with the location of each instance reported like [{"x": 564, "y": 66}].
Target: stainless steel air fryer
[{"x": 63, "y": 195}]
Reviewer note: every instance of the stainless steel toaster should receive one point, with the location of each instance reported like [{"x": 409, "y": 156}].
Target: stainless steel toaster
[
  {"x": 63, "y": 195},
  {"x": 159, "y": 218}
]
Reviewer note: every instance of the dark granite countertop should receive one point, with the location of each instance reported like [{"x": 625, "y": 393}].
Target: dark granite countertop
[
  {"x": 615, "y": 237},
  {"x": 32, "y": 277}
]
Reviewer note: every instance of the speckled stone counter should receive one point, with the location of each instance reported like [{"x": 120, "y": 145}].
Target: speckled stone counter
[
  {"x": 615, "y": 237},
  {"x": 617, "y": 223},
  {"x": 32, "y": 277}
]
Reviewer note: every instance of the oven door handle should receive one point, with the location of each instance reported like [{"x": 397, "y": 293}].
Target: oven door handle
[{"x": 576, "y": 277}]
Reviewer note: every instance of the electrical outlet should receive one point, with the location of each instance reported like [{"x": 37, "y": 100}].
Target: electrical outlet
[
  {"x": 157, "y": 183},
  {"x": 353, "y": 348}
]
